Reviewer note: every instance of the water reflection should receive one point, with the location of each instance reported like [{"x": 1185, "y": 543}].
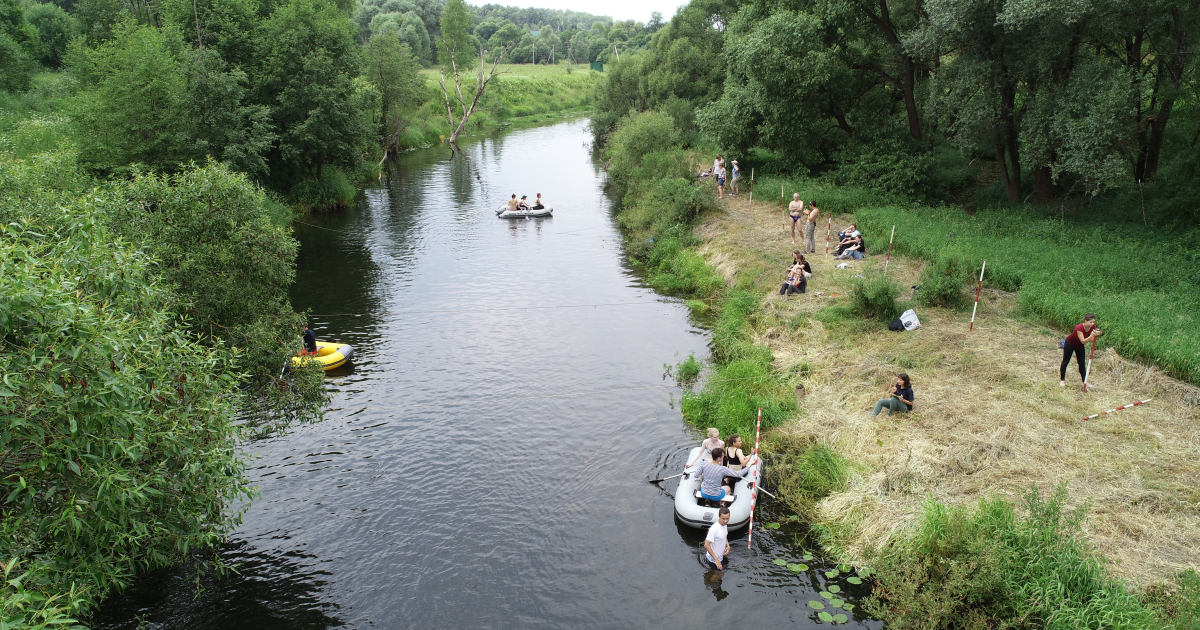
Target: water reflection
[{"x": 485, "y": 462}]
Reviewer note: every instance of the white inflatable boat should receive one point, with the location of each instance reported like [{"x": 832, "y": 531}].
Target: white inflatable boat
[
  {"x": 505, "y": 213},
  {"x": 693, "y": 511}
]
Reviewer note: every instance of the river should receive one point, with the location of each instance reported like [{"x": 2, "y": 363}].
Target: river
[{"x": 485, "y": 462}]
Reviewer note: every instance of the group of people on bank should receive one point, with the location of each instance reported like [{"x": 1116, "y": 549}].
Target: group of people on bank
[{"x": 720, "y": 174}]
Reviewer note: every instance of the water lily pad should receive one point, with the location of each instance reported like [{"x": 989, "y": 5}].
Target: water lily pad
[
  {"x": 772, "y": 525},
  {"x": 797, "y": 568},
  {"x": 834, "y": 588},
  {"x": 826, "y": 594},
  {"x": 847, "y": 607},
  {"x": 781, "y": 562},
  {"x": 824, "y": 616},
  {"x": 854, "y": 580},
  {"x": 816, "y": 605},
  {"x": 840, "y": 618},
  {"x": 836, "y": 603},
  {"x": 843, "y": 568},
  {"x": 808, "y": 556},
  {"x": 863, "y": 572},
  {"x": 832, "y": 574}
]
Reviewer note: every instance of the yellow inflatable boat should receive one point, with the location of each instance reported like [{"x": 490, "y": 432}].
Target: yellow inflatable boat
[{"x": 330, "y": 355}]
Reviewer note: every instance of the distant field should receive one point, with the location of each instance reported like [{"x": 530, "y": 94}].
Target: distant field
[{"x": 520, "y": 70}]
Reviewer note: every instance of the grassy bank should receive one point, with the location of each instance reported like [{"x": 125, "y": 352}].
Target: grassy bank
[
  {"x": 992, "y": 504},
  {"x": 522, "y": 93}
]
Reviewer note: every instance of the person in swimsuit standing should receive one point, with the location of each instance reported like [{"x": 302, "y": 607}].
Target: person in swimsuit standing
[
  {"x": 810, "y": 229},
  {"x": 796, "y": 211}
]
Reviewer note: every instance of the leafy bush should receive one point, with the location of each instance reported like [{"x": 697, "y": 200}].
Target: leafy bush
[
  {"x": 332, "y": 191},
  {"x": 888, "y": 165},
  {"x": 989, "y": 567},
  {"x": 875, "y": 297},
  {"x": 805, "y": 471},
  {"x": 942, "y": 282}
]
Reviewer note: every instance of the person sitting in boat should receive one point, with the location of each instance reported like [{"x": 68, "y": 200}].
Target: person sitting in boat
[
  {"x": 735, "y": 458},
  {"x": 310, "y": 340},
  {"x": 537, "y": 203},
  {"x": 712, "y": 477},
  {"x": 512, "y": 203},
  {"x": 707, "y": 446},
  {"x": 522, "y": 204}
]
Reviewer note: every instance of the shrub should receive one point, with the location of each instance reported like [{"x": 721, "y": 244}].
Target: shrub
[
  {"x": 334, "y": 190},
  {"x": 942, "y": 282},
  {"x": 987, "y": 567},
  {"x": 875, "y": 297},
  {"x": 1179, "y": 605},
  {"x": 805, "y": 471}
]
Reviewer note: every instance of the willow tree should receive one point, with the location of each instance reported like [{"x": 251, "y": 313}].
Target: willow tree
[{"x": 457, "y": 50}]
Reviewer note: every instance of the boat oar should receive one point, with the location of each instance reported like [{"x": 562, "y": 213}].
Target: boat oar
[{"x": 667, "y": 478}]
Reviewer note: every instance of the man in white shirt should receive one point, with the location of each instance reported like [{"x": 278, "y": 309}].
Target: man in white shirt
[{"x": 716, "y": 543}]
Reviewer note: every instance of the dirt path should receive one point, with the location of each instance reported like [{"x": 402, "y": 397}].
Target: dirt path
[{"x": 990, "y": 416}]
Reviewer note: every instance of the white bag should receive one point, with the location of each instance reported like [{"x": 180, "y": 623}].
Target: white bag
[{"x": 910, "y": 321}]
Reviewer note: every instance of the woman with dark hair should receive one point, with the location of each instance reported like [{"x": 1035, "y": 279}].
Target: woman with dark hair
[
  {"x": 735, "y": 458},
  {"x": 798, "y": 274},
  {"x": 899, "y": 400},
  {"x": 1076, "y": 343}
]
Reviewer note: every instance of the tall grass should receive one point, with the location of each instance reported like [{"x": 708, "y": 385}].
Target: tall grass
[
  {"x": 990, "y": 566},
  {"x": 1144, "y": 287},
  {"x": 1142, "y": 284}
]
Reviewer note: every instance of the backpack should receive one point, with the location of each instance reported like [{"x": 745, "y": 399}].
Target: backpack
[{"x": 896, "y": 326}]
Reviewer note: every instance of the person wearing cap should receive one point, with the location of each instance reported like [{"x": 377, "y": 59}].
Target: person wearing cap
[
  {"x": 733, "y": 179},
  {"x": 522, "y": 204},
  {"x": 537, "y": 203}
]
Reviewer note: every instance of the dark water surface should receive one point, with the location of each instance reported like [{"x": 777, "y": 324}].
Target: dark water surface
[{"x": 484, "y": 464}]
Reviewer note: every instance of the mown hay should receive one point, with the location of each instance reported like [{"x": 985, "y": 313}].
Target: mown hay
[{"x": 990, "y": 417}]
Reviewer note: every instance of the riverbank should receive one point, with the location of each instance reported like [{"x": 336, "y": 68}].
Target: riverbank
[
  {"x": 990, "y": 421},
  {"x": 992, "y": 500}
]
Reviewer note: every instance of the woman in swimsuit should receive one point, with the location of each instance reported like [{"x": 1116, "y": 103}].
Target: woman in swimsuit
[{"x": 735, "y": 458}]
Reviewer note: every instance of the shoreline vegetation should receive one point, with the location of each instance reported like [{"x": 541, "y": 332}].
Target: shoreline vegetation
[{"x": 991, "y": 504}]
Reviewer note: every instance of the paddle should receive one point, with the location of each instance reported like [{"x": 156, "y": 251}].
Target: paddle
[{"x": 667, "y": 478}]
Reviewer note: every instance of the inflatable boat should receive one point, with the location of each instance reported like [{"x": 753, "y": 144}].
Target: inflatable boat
[
  {"x": 330, "y": 355},
  {"x": 505, "y": 213},
  {"x": 693, "y": 511}
]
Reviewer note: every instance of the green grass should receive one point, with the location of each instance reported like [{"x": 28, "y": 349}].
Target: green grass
[
  {"x": 524, "y": 93},
  {"x": 1142, "y": 284},
  {"x": 994, "y": 566},
  {"x": 34, "y": 122}
]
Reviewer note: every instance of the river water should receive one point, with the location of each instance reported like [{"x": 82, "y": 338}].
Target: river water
[{"x": 484, "y": 464}]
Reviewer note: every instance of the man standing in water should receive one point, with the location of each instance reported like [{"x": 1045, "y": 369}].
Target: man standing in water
[
  {"x": 716, "y": 543},
  {"x": 795, "y": 211}
]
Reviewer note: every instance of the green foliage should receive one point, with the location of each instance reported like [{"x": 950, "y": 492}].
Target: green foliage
[
  {"x": 226, "y": 26},
  {"x": 456, "y": 42},
  {"x": 105, "y": 401},
  {"x": 943, "y": 281},
  {"x": 991, "y": 567},
  {"x": 1149, "y": 310},
  {"x": 1179, "y": 604},
  {"x": 307, "y": 62},
  {"x": 805, "y": 472},
  {"x": 392, "y": 69},
  {"x": 55, "y": 28},
  {"x": 335, "y": 190},
  {"x": 19, "y": 47},
  {"x": 875, "y": 297},
  {"x": 150, "y": 100}
]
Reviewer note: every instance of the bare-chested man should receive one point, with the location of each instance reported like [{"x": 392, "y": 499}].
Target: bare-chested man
[
  {"x": 796, "y": 212},
  {"x": 810, "y": 229}
]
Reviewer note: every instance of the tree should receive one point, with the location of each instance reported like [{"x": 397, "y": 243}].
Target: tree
[
  {"x": 393, "y": 71},
  {"x": 307, "y": 62},
  {"x": 406, "y": 28},
  {"x": 224, "y": 25},
  {"x": 55, "y": 28},
  {"x": 217, "y": 118},
  {"x": 456, "y": 48}
]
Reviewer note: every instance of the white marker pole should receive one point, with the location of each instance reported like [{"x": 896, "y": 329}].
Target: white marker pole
[
  {"x": 889, "y": 257},
  {"x": 977, "y": 291}
]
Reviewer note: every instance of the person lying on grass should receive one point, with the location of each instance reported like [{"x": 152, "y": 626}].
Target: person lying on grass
[
  {"x": 899, "y": 400},
  {"x": 1076, "y": 343}
]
